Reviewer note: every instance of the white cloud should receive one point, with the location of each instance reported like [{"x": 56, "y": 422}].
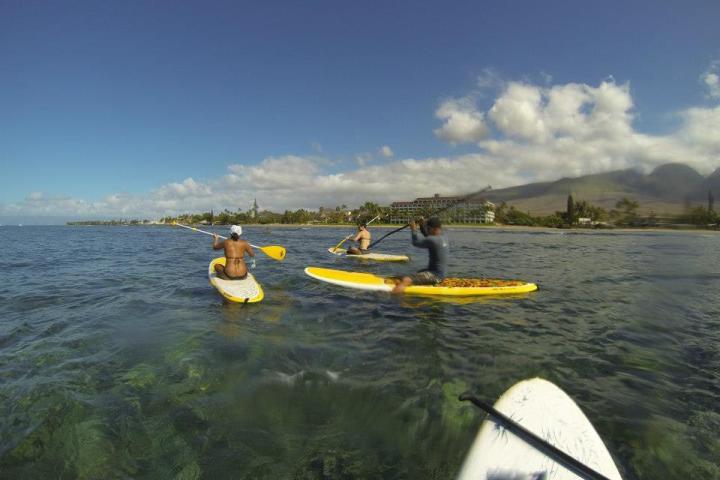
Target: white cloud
[
  {"x": 463, "y": 122},
  {"x": 539, "y": 133},
  {"x": 362, "y": 159},
  {"x": 517, "y": 113},
  {"x": 275, "y": 173},
  {"x": 701, "y": 130},
  {"x": 539, "y": 115},
  {"x": 186, "y": 188},
  {"x": 576, "y": 129},
  {"x": 489, "y": 79},
  {"x": 711, "y": 80},
  {"x": 386, "y": 151}
]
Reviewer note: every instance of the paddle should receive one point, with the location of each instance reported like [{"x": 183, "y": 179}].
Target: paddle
[
  {"x": 548, "y": 449},
  {"x": 349, "y": 236},
  {"x": 440, "y": 210},
  {"x": 275, "y": 252}
]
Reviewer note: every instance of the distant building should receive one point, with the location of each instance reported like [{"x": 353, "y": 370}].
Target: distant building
[
  {"x": 476, "y": 210},
  {"x": 254, "y": 209}
]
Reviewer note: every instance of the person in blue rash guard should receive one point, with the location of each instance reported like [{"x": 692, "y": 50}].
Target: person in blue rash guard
[{"x": 437, "y": 246}]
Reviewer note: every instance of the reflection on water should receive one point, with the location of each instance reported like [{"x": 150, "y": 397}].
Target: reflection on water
[{"x": 124, "y": 362}]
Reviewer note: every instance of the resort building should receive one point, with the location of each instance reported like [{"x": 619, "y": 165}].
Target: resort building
[{"x": 473, "y": 210}]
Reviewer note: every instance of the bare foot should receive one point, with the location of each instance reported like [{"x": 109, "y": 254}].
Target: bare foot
[{"x": 402, "y": 285}]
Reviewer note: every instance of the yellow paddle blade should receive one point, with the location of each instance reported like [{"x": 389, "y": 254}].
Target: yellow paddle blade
[
  {"x": 274, "y": 251},
  {"x": 343, "y": 241}
]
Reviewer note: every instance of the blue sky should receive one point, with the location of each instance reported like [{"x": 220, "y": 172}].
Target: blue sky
[{"x": 191, "y": 103}]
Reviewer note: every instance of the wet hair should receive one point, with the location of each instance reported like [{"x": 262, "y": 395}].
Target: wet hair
[
  {"x": 433, "y": 222},
  {"x": 362, "y": 225},
  {"x": 235, "y": 236}
]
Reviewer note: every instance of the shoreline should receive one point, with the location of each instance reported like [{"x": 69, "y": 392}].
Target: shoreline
[{"x": 517, "y": 228}]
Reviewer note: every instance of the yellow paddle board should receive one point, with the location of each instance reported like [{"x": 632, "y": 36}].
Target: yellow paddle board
[
  {"x": 368, "y": 281},
  {"x": 247, "y": 290}
]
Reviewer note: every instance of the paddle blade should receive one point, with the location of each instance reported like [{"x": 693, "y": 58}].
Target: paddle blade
[
  {"x": 343, "y": 241},
  {"x": 274, "y": 251}
]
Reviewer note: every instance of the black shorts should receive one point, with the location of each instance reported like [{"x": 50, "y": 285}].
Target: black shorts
[{"x": 425, "y": 278}]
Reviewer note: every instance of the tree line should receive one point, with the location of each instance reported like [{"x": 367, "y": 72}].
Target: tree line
[
  {"x": 341, "y": 214},
  {"x": 576, "y": 213},
  {"x": 625, "y": 214}
]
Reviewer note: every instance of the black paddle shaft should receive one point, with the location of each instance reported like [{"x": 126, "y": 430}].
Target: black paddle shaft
[
  {"x": 447, "y": 207},
  {"x": 548, "y": 449}
]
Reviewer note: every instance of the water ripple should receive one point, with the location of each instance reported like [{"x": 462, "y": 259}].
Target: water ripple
[{"x": 124, "y": 362}]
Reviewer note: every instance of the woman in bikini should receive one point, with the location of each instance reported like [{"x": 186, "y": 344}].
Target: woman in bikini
[
  {"x": 235, "y": 249},
  {"x": 363, "y": 237}
]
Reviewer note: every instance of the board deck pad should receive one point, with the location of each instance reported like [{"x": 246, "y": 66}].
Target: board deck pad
[
  {"x": 544, "y": 409},
  {"x": 378, "y": 257},
  {"x": 368, "y": 281},
  {"x": 247, "y": 290}
]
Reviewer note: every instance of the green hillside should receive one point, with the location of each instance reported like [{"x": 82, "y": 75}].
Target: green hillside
[{"x": 669, "y": 189}]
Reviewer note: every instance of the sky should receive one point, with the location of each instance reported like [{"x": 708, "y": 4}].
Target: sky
[{"x": 139, "y": 109}]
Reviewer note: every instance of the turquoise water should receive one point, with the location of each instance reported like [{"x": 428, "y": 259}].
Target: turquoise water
[{"x": 119, "y": 360}]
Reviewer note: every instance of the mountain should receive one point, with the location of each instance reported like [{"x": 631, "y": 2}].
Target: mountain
[
  {"x": 673, "y": 181},
  {"x": 669, "y": 189},
  {"x": 711, "y": 183}
]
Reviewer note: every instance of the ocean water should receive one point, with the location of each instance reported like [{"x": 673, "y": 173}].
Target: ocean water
[{"x": 119, "y": 360}]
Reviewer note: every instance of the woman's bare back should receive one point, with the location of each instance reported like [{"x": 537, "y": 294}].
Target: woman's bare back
[{"x": 235, "y": 251}]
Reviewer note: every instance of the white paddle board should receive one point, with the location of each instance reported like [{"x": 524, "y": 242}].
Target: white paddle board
[
  {"x": 247, "y": 290},
  {"x": 548, "y": 412},
  {"x": 378, "y": 257}
]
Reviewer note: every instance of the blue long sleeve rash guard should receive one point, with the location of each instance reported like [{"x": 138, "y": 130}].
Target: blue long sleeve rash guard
[{"x": 438, "y": 248}]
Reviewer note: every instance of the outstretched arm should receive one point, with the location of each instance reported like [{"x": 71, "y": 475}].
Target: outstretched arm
[
  {"x": 251, "y": 252},
  {"x": 217, "y": 243}
]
